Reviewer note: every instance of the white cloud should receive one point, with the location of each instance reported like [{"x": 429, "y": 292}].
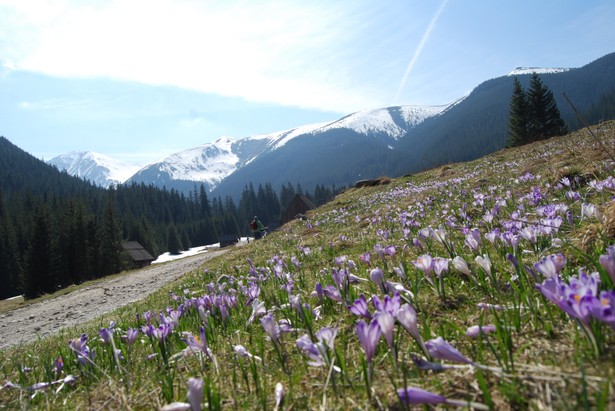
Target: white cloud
[{"x": 277, "y": 51}]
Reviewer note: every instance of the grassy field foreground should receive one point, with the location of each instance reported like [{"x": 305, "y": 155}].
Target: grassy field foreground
[{"x": 485, "y": 285}]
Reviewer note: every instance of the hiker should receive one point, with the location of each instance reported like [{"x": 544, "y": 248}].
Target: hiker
[{"x": 258, "y": 229}]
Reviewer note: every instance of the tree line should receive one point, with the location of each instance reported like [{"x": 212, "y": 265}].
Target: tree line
[{"x": 57, "y": 230}]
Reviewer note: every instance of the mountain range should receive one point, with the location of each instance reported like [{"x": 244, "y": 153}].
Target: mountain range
[{"x": 386, "y": 141}]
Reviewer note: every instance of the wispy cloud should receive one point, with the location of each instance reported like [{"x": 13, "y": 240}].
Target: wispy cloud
[
  {"x": 419, "y": 48},
  {"x": 267, "y": 51}
]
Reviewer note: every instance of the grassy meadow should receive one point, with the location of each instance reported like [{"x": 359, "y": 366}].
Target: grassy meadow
[{"x": 484, "y": 285}]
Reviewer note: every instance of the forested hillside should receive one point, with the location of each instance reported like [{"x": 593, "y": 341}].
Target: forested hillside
[{"x": 57, "y": 230}]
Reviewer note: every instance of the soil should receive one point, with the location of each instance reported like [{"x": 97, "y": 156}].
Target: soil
[{"x": 49, "y": 316}]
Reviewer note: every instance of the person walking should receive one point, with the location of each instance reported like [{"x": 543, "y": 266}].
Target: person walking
[{"x": 258, "y": 229}]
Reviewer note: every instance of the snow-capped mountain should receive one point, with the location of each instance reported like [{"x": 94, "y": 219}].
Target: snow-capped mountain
[
  {"x": 98, "y": 168},
  {"x": 538, "y": 70},
  {"x": 211, "y": 163}
]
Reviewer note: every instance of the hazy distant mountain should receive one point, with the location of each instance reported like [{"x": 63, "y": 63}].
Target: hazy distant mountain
[
  {"x": 211, "y": 164},
  {"x": 388, "y": 141},
  {"x": 98, "y": 168}
]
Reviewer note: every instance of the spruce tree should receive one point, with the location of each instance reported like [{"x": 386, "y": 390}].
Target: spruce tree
[
  {"x": 544, "y": 119},
  {"x": 518, "y": 116},
  {"x": 36, "y": 277}
]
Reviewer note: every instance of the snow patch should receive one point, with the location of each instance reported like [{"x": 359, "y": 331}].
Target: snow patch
[{"x": 538, "y": 70}]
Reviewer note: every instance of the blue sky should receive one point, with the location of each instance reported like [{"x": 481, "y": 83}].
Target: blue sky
[{"x": 141, "y": 79}]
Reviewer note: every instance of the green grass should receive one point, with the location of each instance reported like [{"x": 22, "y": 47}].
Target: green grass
[{"x": 538, "y": 356}]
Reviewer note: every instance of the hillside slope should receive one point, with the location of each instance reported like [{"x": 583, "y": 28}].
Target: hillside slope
[{"x": 486, "y": 284}]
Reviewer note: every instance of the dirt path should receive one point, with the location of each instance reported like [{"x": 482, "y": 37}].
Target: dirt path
[{"x": 49, "y": 316}]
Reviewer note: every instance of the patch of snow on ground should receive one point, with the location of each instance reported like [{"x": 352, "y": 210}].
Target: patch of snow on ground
[{"x": 163, "y": 258}]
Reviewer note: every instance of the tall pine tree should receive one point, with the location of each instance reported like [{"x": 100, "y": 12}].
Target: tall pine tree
[
  {"x": 533, "y": 115},
  {"x": 518, "y": 116},
  {"x": 544, "y": 119}
]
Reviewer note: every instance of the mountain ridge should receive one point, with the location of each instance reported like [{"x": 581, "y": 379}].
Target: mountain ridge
[{"x": 393, "y": 141}]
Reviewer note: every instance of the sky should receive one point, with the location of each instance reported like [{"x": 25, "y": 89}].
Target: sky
[{"x": 138, "y": 80}]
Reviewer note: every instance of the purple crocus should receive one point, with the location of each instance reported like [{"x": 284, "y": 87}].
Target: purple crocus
[
  {"x": 603, "y": 308},
  {"x": 441, "y": 349},
  {"x": 485, "y": 262},
  {"x": 198, "y": 343},
  {"x": 406, "y": 316},
  {"x": 359, "y": 308},
  {"x": 58, "y": 365},
  {"x": 318, "y": 351},
  {"x": 80, "y": 348},
  {"x": 195, "y": 393},
  {"x": 389, "y": 304},
  {"x": 476, "y": 330},
  {"x": 377, "y": 276},
  {"x": 417, "y": 396},
  {"x": 332, "y": 293},
  {"x": 440, "y": 265},
  {"x": 424, "y": 263},
  {"x": 368, "y": 334},
  {"x": 131, "y": 335},
  {"x": 271, "y": 328},
  {"x": 551, "y": 265},
  {"x": 106, "y": 334},
  {"x": 608, "y": 262},
  {"x": 473, "y": 239},
  {"x": 386, "y": 322},
  {"x": 576, "y": 298}
]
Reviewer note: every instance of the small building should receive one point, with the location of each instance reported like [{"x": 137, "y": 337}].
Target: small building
[
  {"x": 297, "y": 208},
  {"x": 139, "y": 255},
  {"x": 227, "y": 240}
]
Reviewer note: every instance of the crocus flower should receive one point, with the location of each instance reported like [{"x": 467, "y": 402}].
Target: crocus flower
[
  {"x": 603, "y": 308},
  {"x": 258, "y": 309},
  {"x": 417, "y": 396},
  {"x": 484, "y": 262},
  {"x": 359, "y": 308},
  {"x": 551, "y": 266},
  {"x": 407, "y": 317},
  {"x": 440, "y": 265},
  {"x": 279, "y": 396},
  {"x": 389, "y": 304},
  {"x": 332, "y": 293},
  {"x": 441, "y": 349},
  {"x": 461, "y": 265},
  {"x": 365, "y": 258},
  {"x": 58, "y": 365},
  {"x": 198, "y": 343},
  {"x": 106, "y": 334},
  {"x": 574, "y": 298},
  {"x": 473, "y": 239},
  {"x": 195, "y": 393},
  {"x": 424, "y": 263},
  {"x": 607, "y": 261},
  {"x": 131, "y": 335},
  {"x": 243, "y": 352},
  {"x": 80, "y": 348},
  {"x": 368, "y": 334},
  {"x": 386, "y": 322},
  {"x": 318, "y": 351},
  {"x": 476, "y": 330},
  {"x": 271, "y": 327},
  {"x": 377, "y": 276}
]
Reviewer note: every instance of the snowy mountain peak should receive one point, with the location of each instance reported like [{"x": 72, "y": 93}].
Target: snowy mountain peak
[
  {"x": 100, "y": 169},
  {"x": 538, "y": 70}
]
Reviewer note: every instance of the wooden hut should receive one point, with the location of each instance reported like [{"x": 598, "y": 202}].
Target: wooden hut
[
  {"x": 139, "y": 255},
  {"x": 297, "y": 208}
]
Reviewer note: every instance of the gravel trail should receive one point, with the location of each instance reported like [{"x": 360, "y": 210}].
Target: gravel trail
[{"x": 50, "y": 316}]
